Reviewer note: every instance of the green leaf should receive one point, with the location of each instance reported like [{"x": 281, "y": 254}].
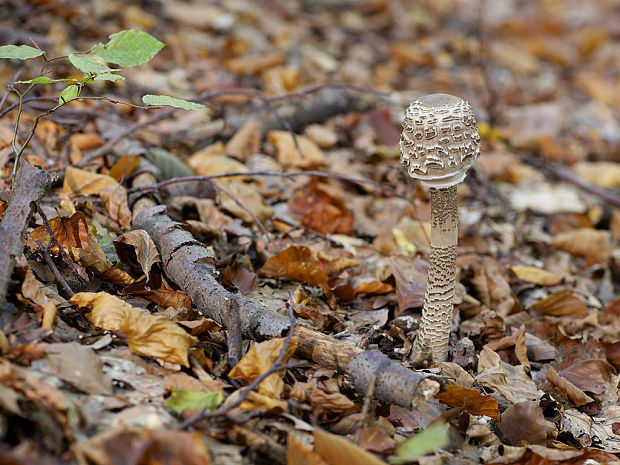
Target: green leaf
[
  {"x": 108, "y": 77},
  {"x": 171, "y": 102},
  {"x": 68, "y": 93},
  {"x": 21, "y": 52},
  {"x": 428, "y": 440},
  {"x": 89, "y": 63},
  {"x": 44, "y": 80},
  {"x": 182, "y": 399},
  {"x": 129, "y": 48},
  {"x": 168, "y": 163}
]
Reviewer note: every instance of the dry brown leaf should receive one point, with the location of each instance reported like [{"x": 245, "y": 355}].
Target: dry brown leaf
[
  {"x": 592, "y": 244},
  {"x": 338, "y": 451},
  {"x": 149, "y": 335},
  {"x": 289, "y": 156},
  {"x": 159, "y": 291},
  {"x": 561, "y": 303},
  {"x": 157, "y": 446},
  {"x": 79, "y": 181},
  {"x": 213, "y": 160},
  {"x": 493, "y": 288},
  {"x": 86, "y": 141},
  {"x": 321, "y": 135},
  {"x": 516, "y": 340},
  {"x": 535, "y": 275},
  {"x": 591, "y": 376},
  {"x": 139, "y": 244},
  {"x": 320, "y": 399},
  {"x": 70, "y": 232},
  {"x": 524, "y": 423},
  {"x": 248, "y": 195},
  {"x": 253, "y": 64},
  {"x": 469, "y": 400},
  {"x": 567, "y": 389},
  {"x": 297, "y": 453},
  {"x": 321, "y": 211},
  {"x": 258, "y": 360},
  {"x": 97, "y": 262},
  {"x": 115, "y": 202},
  {"x": 124, "y": 167},
  {"x": 246, "y": 141}
]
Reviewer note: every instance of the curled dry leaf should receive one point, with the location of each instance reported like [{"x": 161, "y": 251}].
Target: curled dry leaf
[
  {"x": 567, "y": 389},
  {"x": 246, "y": 141},
  {"x": 591, "y": 376},
  {"x": 156, "y": 445},
  {"x": 320, "y": 399},
  {"x": 139, "y": 245},
  {"x": 299, "y": 263},
  {"x": 516, "y": 340},
  {"x": 149, "y": 335},
  {"x": 259, "y": 360},
  {"x": 79, "y": 181},
  {"x": 337, "y": 450},
  {"x": 470, "y": 400},
  {"x": 493, "y": 288},
  {"x": 298, "y": 453},
  {"x": 115, "y": 202},
  {"x": 321, "y": 211},
  {"x": 288, "y": 154},
  {"x": 535, "y": 275},
  {"x": 524, "y": 423},
  {"x": 561, "y": 303},
  {"x": 592, "y": 244}
]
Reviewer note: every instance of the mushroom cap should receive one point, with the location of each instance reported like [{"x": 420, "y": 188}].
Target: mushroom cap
[{"x": 440, "y": 140}]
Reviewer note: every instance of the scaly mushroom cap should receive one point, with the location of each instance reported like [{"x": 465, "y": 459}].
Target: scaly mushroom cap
[{"x": 440, "y": 140}]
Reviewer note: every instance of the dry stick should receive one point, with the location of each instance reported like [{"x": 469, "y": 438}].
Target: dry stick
[
  {"x": 234, "y": 333},
  {"x": 367, "y": 398},
  {"x": 560, "y": 172},
  {"x": 30, "y": 185},
  {"x": 61, "y": 250},
  {"x": 52, "y": 266},
  {"x": 244, "y": 208}
]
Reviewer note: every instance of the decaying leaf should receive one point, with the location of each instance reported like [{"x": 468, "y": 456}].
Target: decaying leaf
[
  {"x": 535, "y": 275},
  {"x": 137, "y": 245},
  {"x": 298, "y": 453},
  {"x": 469, "y": 400},
  {"x": 524, "y": 423},
  {"x": 321, "y": 211},
  {"x": 146, "y": 334},
  {"x": 336, "y": 450},
  {"x": 592, "y": 244},
  {"x": 561, "y": 303},
  {"x": 288, "y": 154},
  {"x": 568, "y": 389},
  {"x": 246, "y": 141},
  {"x": 258, "y": 360},
  {"x": 115, "y": 202},
  {"x": 78, "y": 181}
]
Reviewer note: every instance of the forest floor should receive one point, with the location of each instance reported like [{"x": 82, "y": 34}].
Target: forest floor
[{"x": 147, "y": 318}]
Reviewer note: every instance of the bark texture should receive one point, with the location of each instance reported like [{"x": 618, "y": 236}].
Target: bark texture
[
  {"x": 434, "y": 332},
  {"x": 30, "y": 185}
]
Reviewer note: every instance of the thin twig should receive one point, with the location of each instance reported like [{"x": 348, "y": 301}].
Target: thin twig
[
  {"x": 52, "y": 266},
  {"x": 244, "y": 208},
  {"x": 367, "y": 398},
  {"x": 61, "y": 250},
  {"x": 234, "y": 333}
]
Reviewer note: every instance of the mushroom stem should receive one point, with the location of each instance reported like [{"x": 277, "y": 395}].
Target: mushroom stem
[{"x": 433, "y": 336}]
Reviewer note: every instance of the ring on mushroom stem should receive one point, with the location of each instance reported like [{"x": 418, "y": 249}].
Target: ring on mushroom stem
[{"x": 439, "y": 142}]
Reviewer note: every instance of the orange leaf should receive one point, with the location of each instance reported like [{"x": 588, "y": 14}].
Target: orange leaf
[
  {"x": 70, "y": 232},
  {"x": 321, "y": 211},
  {"x": 562, "y": 303},
  {"x": 470, "y": 400},
  {"x": 298, "y": 264}
]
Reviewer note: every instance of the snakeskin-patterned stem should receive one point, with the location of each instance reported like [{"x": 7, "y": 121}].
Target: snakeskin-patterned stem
[{"x": 434, "y": 332}]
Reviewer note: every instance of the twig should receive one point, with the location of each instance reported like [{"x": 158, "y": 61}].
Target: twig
[
  {"x": 234, "y": 333},
  {"x": 559, "y": 172},
  {"x": 275, "y": 367},
  {"x": 52, "y": 266},
  {"x": 292, "y": 174},
  {"x": 244, "y": 208},
  {"x": 61, "y": 250},
  {"x": 367, "y": 398}
]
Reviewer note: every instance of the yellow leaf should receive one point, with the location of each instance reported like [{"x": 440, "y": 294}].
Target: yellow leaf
[
  {"x": 149, "y": 335},
  {"x": 535, "y": 275},
  {"x": 337, "y": 451},
  {"x": 79, "y": 181},
  {"x": 258, "y": 360},
  {"x": 213, "y": 160},
  {"x": 288, "y": 154},
  {"x": 600, "y": 173},
  {"x": 126, "y": 165},
  {"x": 247, "y": 194}
]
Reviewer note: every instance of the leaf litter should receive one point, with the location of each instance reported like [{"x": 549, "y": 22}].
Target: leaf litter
[{"x": 118, "y": 360}]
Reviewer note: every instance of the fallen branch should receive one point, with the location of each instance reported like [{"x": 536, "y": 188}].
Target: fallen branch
[
  {"x": 191, "y": 266},
  {"x": 30, "y": 185}
]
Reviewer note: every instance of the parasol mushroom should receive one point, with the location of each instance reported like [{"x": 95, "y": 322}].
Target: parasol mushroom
[{"x": 439, "y": 142}]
